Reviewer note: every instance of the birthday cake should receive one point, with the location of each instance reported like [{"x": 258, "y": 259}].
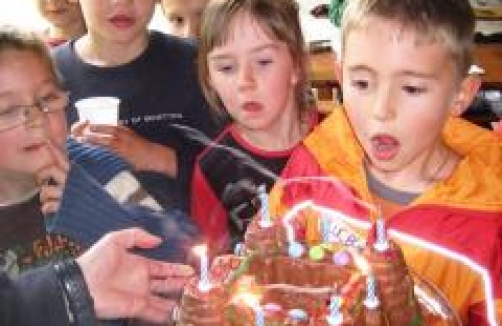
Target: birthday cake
[{"x": 280, "y": 277}]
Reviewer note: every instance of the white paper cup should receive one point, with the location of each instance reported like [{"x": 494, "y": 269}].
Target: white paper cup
[{"x": 99, "y": 110}]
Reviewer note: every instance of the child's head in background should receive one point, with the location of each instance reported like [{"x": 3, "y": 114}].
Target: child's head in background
[
  {"x": 64, "y": 18},
  {"x": 252, "y": 61},
  {"x": 32, "y": 103},
  {"x": 117, "y": 23},
  {"x": 404, "y": 72},
  {"x": 183, "y": 16}
]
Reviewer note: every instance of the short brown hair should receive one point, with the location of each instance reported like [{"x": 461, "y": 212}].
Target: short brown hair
[
  {"x": 279, "y": 18},
  {"x": 13, "y": 38},
  {"x": 448, "y": 21}
]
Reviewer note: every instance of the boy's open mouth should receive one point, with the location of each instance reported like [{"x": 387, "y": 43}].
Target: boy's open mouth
[{"x": 384, "y": 147}]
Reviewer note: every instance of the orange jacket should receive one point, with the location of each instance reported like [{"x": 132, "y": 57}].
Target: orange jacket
[{"x": 450, "y": 235}]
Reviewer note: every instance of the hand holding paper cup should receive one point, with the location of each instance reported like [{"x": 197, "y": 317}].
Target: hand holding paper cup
[{"x": 99, "y": 110}]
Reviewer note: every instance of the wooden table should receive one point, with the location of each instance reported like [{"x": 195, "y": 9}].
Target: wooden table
[
  {"x": 489, "y": 57},
  {"x": 322, "y": 74},
  {"x": 488, "y": 13}
]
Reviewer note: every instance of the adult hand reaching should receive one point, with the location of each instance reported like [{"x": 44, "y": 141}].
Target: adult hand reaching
[{"x": 123, "y": 284}]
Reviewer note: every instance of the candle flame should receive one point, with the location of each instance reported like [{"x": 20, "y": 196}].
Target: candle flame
[
  {"x": 200, "y": 250},
  {"x": 249, "y": 299},
  {"x": 361, "y": 262}
]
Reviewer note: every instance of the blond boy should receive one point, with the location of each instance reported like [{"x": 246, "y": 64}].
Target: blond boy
[{"x": 397, "y": 144}]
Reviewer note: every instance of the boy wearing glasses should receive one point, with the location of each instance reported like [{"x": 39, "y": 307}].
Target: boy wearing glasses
[{"x": 84, "y": 191}]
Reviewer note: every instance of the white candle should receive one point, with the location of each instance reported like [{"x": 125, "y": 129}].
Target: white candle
[
  {"x": 335, "y": 316},
  {"x": 371, "y": 301},
  {"x": 253, "y": 301},
  {"x": 325, "y": 228},
  {"x": 259, "y": 315},
  {"x": 204, "y": 284},
  {"x": 265, "y": 220},
  {"x": 381, "y": 243}
]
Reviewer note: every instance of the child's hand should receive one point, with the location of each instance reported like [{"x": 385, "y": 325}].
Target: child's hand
[
  {"x": 395, "y": 284},
  {"x": 52, "y": 179},
  {"x": 497, "y": 128},
  {"x": 142, "y": 154},
  {"x": 78, "y": 129}
]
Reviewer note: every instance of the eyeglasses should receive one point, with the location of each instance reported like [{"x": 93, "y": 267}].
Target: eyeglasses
[
  {"x": 60, "y": 1},
  {"x": 14, "y": 115}
]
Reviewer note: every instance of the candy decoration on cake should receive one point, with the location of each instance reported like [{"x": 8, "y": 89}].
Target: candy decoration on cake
[
  {"x": 298, "y": 315},
  {"x": 341, "y": 258},
  {"x": 265, "y": 220},
  {"x": 272, "y": 308},
  {"x": 316, "y": 253},
  {"x": 295, "y": 249}
]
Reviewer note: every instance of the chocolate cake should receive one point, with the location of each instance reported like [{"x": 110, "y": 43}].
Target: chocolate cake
[{"x": 291, "y": 286}]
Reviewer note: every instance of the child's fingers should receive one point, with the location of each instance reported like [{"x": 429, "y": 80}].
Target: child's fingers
[
  {"x": 168, "y": 285},
  {"x": 50, "y": 193},
  {"x": 50, "y": 208},
  {"x": 59, "y": 156},
  {"x": 176, "y": 272},
  {"x": 104, "y": 129},
  {"x": 52, "y": 175},
  {"x": 50, "y": 199},
  {"x": 78, "y": 128},
  {"x": 99, "y": 139}
]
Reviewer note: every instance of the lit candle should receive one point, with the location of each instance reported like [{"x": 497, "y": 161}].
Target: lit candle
[
  {"x": 204, "y": 284},
  {"x": 381, "y": 243},
  {"x": 240, "y": 249},
  {"x": 259, "y": 315},
  {"x": 265, "y": 220},
  {"x": 325, "y": 229},
  {"x": 253, "y": 301},
  {"x": 371, "y": 301},
  {"x": 335, "y": 316}
]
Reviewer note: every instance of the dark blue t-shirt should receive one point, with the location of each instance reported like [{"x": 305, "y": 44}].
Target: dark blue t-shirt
[{"x": 157, "y": 89}]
